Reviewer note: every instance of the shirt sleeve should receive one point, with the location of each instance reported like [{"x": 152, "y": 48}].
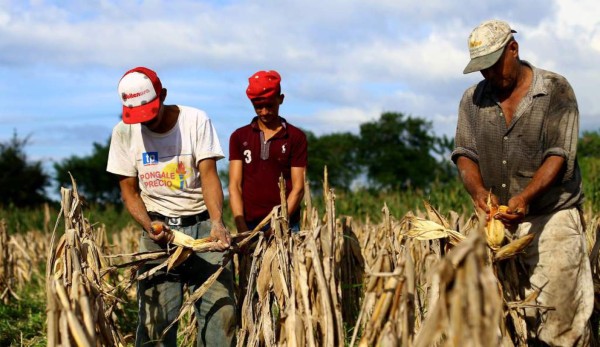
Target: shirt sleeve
[
  {"x": 562, "y": 124},
  {"x": 234, "y": 146},
  {"x": 300, "y": 154},
  {"x": 208, "y": 145},
  {"x": 121, "y": 161},
  {"x": 465, "y": 140}
]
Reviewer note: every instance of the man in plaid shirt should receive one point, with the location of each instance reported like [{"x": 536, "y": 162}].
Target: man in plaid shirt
[{"x": 517, "y": 137}]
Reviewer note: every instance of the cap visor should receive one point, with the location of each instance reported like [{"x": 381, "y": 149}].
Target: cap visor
[
  {"x": 483, "y": 62},
  {"x": 141, "y": 114}
]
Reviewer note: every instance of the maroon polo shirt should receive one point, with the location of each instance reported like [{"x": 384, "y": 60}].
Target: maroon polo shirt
[{"x": 262, "y": 164}]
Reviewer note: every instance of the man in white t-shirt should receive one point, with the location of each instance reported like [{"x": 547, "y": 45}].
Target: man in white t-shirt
[{"x": 165, "y": 157}]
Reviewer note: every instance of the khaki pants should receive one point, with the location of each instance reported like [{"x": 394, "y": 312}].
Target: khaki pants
[{"x": 557, "y": 265}]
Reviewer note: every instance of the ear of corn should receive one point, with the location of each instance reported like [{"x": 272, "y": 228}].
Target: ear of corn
[
  {"x": 156, "y": 227},
  {"x": 494, "y": 229},
  {"x": 424, "y": 229},
  {"x": 198, "y": 245},
  {"x": 515, "y": 247}
]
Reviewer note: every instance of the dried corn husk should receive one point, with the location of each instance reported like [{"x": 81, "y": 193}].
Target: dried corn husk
[
  {"x": 423, "y": 229},
  {"x": 515, "y": 247}
]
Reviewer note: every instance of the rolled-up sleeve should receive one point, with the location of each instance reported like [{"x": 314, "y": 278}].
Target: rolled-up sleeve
[
  {"x": 465, "y": 140},
  {"x": 562, "y": 126}
]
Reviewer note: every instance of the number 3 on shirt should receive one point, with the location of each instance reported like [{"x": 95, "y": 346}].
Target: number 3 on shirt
[{"x": 248, "y": 156}]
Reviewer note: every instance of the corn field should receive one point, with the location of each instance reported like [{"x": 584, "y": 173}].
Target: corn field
[{"x": 425, "y": 279}]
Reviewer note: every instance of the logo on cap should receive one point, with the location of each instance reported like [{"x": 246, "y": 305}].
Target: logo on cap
[
  {"x": 140, "y": 90},
  {"x": 486, "y": 44},
  {"x": 134, "y": 95}
]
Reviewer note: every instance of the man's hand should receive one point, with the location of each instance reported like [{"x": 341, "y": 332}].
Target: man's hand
[
  {"x": 481, "y": 201},
  {"x": 160, "y": 232},
  {"x": 517, "y": 209},
  {"x": 220, "y": 234}
]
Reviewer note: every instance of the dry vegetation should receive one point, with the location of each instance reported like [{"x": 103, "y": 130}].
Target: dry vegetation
[{"x": 423, "y": 280}]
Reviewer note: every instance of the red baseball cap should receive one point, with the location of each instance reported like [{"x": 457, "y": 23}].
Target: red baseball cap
[
  {"x": 263, "y": 84},
  {"x": 140, "y": 90}
]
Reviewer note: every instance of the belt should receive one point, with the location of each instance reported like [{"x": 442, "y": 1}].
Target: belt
[{"x": 183, "y": 221}]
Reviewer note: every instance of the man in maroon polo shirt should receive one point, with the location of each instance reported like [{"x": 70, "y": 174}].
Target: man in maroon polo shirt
[{"x": 262, "y": 151}]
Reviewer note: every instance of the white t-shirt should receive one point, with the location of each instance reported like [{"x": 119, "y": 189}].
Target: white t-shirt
[{"x": 166, "y": 165}]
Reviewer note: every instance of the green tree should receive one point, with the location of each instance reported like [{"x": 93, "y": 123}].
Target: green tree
[
  {"x": 22, "y": 183},
  {"x": 589, "y": 144},
  {"x": 588, "y": 152},
  {"x": 338, "y": 152},
  {"x": 93, "y": 182},
  {"x": 446, "y": 170},
  {"x": 397, "y": 152}
]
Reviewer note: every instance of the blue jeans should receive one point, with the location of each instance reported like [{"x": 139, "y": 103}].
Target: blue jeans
[{"x": 160, "y": 297}]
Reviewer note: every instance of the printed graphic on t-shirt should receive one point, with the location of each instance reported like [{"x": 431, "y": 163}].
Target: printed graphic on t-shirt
[
  {"x": 173, "y": 175},
  {"x": 150, "y": 158}
]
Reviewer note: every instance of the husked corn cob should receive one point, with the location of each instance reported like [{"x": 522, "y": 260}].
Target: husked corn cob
[
  {"x": 515, "y": 247},
  {"x": 186, "y": 241},
  {"x": 495, "y": 229}
]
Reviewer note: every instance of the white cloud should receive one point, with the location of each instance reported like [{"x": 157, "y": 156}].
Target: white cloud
[
  {"x": 343, "y": 62},
  {"x": 338, "y": 120}
]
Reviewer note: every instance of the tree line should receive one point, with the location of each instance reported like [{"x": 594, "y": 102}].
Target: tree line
[{"x": 396, "y": 152}]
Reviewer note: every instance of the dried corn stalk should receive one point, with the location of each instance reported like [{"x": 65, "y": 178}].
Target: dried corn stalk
[
  {"x": 79, "y": 304},
  {"x": 468, "y": 310},
  {"x": 294, "y": 291}
]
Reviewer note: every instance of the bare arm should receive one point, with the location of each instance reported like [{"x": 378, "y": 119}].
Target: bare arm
[
  {"x": 213, "y": 198},
  {"x": 235, "y": 195},
  {"x": 297, "y": 192},
  {"x": 473, "y": 182},
  {"x": 543, "y": 178},
  {"x": 130, "y": 193}
]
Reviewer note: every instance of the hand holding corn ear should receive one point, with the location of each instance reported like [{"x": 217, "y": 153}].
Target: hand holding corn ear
[
  {"x": 517, "y": 209},
  {"x": 494, "y": 228},
  {"x": 161, "y": 232},
  {"x": 221, "y": 235}
]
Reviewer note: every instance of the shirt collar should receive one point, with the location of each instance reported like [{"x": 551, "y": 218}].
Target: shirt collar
[
  {"x": 537, "y": 86},
  {"x": 254, "y": 123}
]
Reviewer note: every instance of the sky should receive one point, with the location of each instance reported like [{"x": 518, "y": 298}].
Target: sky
[{"x": 343, "y": 62}]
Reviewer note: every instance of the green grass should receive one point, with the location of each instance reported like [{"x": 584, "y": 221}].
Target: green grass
[{"x": 23, "y": 322}]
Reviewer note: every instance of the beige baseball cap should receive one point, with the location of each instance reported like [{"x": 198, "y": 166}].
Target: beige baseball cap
[{"x": 486, "y": 44}]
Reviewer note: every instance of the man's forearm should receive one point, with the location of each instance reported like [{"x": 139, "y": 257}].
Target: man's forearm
[
  {"x": 297, "y": 192},
  {"x": 293, "y": 201},
  {"x": 212, "y": 190},
  {"x": 235, "y": 194},
  {"x": 543, "y": 178},
  {"x": 470, "y": 176},
  {"x": 237, "y": 208},
  {"x": 138, "y": 211},
  {"x": 213, "y": 198},
  {"x": 134, "y": 203},
  {"x": 473, "y": 182}
]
